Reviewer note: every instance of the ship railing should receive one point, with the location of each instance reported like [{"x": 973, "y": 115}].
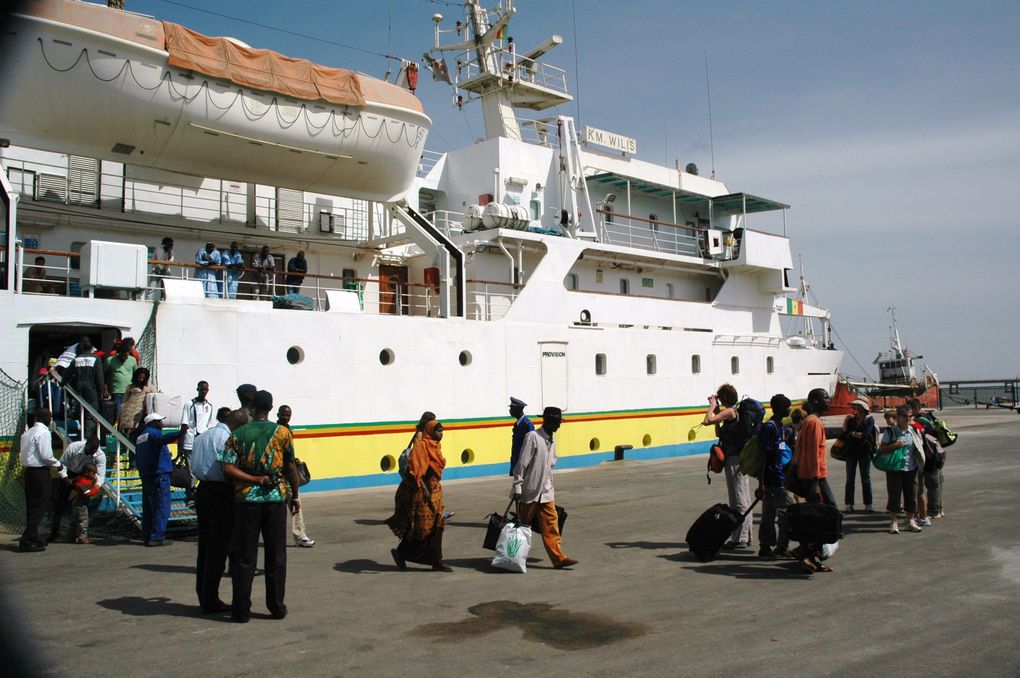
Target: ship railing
[
  {"x": 429, "y": 159},
  {"x": 514, "y": 67},
  {"x": 117, "y": 189},
  {"x": 374, "y": 294},
  {"x": 543, "y": 132},
  {"x": 650, "y": 234},
  {"x": 490, "y": 299},
  {"x": 450, "y": 223}
]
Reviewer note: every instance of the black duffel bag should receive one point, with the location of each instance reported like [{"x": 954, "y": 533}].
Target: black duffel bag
[
  {"x": 494, "y": 526},
  {"x": 814, "y": 523}
]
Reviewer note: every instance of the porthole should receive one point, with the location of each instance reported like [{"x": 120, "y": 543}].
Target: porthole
[
  {"x": 646, "y": 440},
  {"x": 295, "y": 354},
  {"x": 386, "y": 356},
  {"x": 387, "y": 463},
  {"x": 467, "y": 456},
  {"x": 594, "y": 444},
  {"x": 464, "y": 358}
]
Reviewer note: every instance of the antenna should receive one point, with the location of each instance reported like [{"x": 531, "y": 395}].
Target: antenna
[
  {"x": 711, "y": 135},
  {"x": 577, "y": 63}
]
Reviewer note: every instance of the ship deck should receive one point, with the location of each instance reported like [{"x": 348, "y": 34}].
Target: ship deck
[{"x": 638, "y": 604}]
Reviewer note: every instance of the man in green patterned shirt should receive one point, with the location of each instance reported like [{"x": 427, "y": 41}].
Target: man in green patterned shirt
[{"x": 259, "y": 458}]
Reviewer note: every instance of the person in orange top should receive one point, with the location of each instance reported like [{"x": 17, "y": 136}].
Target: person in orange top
[
  {"x": 418, "y": 517},
  {"x": 812, "y": 470}
]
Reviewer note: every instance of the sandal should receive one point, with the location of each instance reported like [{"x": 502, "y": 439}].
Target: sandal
[
  {"x": 824, "y": 568},
  {"x": 808, "y": 565}
]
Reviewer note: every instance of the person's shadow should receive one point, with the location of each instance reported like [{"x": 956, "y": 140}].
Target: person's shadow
[
  {"x": 137, "y": 606},
  {"x": 363, "y": 566},
  {"x": 644, "y": 544}
]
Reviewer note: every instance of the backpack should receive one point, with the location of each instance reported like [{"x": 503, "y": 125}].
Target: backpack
[
  {"x": 750, "y": 416},
  {"x": 402, "y": 462},
  {"x": 944, "y": 434},
  {"x": 752, "y": 461},
  {"x": 934, "y": 455}
]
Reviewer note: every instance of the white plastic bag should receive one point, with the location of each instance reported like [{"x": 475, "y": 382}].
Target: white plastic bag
[
  {"x": 828, "y": 550},
  {"x": 512, "y": 548}
]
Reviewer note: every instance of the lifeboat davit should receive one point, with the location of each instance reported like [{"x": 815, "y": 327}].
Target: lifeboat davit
[{"x": 88, "y": 80}]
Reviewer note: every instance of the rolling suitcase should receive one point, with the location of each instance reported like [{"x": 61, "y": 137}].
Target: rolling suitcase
[
  {"x": 712, "y": 528},
  {"x": 814, "y": 523}
]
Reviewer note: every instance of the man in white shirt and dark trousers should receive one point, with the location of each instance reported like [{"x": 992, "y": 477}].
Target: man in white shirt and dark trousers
[
  {"x": 73, "y": 460},
  {"x": 198, "y": 415},
  {"x": 533, "y": 487},
  {"x": 214, "y": 504},
  {"x": 36, "y": 460}
]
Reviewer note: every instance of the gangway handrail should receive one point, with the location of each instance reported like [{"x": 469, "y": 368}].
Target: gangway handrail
[{"x": 113, "y": 490}]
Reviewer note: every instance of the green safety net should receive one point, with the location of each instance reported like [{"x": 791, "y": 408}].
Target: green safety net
[{"x": 12, "y": 423}]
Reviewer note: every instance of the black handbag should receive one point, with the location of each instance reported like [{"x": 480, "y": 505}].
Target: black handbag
[
  {"x": 814, "y": 523},
  {"x": 303, "y": 474},
  {"x": 180, "y": 476},
  {"x": 495, "y": 525}
]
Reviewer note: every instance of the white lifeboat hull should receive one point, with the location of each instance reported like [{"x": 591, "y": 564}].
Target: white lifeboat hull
[{"x": 69, "y": 87}]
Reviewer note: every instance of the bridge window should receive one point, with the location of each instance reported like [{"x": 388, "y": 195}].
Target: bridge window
[{"x": 571, "y": 281}]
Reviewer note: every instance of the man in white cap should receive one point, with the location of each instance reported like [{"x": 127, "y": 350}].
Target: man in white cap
[{"x": 152, "y": 456}]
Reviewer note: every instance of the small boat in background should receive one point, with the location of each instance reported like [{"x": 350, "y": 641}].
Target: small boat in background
[{"x": 898, "y": 380}]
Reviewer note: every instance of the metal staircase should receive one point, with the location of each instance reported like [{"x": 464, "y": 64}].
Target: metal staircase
[{"x": 123, "y": 487}]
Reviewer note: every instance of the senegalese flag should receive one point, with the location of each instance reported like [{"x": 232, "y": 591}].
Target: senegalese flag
[
  {"x": 501, "y": 32},
  {"x": 794, "y": 307}
]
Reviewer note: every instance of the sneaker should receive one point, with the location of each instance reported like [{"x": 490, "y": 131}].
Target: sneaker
[
  {"x": 913, "y": 526},
  {"x": 925, "y": 522},
  {"x": 766, "y": 553},
  {"x": 940, "y": 515},
  {"x": 305, "y": 542},
  {"x": 849, "y": 508},
  {"x": 868, "y": 508},
  {"x": 82, "y": 540},
  {"x": 894, "y": 528}
]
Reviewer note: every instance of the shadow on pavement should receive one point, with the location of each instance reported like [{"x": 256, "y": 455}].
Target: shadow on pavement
[
  {"x": 368, "y": 521},
  {"x": 147, "y": 607},
  {"x": 644, "y": 544},
  {"x": 787, "y": 570},
  {"x": 361, "y": 565},
  {"x": 169, "y": 569}
]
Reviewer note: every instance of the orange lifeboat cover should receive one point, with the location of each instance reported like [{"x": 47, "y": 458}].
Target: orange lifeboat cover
[{"x": 260, "y": 68}]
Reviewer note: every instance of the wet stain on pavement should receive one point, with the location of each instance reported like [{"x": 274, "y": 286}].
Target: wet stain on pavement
[{"x": 540, "y": 623}]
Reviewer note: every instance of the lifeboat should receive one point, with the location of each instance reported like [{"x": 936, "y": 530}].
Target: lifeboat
[{"x": 88, "y": 80}]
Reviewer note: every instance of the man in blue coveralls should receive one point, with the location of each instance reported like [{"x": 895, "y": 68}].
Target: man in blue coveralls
[
  {"x": 522, "y": 427},
  {"x": 152, "y": 457}
]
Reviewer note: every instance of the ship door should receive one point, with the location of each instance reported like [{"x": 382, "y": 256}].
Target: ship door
[
  {"x": 393, "y": 290},
  {"x": 554, "y": 374}
]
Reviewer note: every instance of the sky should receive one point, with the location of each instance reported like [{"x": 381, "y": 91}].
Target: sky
[{"x": 891, "y": 128}]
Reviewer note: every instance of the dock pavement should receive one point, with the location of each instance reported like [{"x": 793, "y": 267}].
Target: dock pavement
[{"x": 944, "y": 602}]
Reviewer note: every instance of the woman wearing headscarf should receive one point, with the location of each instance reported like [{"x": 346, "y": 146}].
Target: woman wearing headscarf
[
  {"x": 418, "y": 518},
  {"x": 132, "y": 409}
]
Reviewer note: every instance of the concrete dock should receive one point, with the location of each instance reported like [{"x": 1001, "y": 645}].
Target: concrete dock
[{"x": 943, "y": 602}]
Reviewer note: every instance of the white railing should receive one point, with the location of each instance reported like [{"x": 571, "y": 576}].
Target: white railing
[
  {"x": 648, "y": 235},
  {"x": 540, "y": 132},
  {"x": 514, "y": 67},
  {"x": 450, "y": 223},
  {"x": 489, "y": 299},
  {"x": 429, "y": 159}
]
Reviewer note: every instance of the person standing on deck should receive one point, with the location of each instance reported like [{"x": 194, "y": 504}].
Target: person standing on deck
[
  {"x": 233, "y": 261},
  {"x": 152, "y": 457},
  {"x": 214, "y": 507},
  {"x": 36, "y": 461},
  {"x": 265, "y": 272},
  {"x": 206, "y": 258},
  {"x": 297, "y": 267},
  {"x": 522, "y": 427},
  {"x": 533, "y": 486},
  {"x": 297, "y": 526},
  {"x": 259, "y": 458}
]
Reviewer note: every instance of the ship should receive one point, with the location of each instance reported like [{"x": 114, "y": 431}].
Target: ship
[
  {"x": 901, "y": 378},
  {"x": 545, "y": 261}
]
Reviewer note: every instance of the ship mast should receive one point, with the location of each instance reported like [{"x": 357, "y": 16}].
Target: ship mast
[
  {"x": 490, "y": 69},
  {"x": 894, "y": 334}
]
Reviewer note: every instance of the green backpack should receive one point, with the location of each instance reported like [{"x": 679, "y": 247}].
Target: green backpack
[
  {"x": 944, "y": 434},
  {"x": 752, "y": 461}
]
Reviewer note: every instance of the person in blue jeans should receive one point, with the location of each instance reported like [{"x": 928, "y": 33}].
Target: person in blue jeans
[
  {"x": 859, "y": 437},
  {"x": 152, "y": 457}
]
